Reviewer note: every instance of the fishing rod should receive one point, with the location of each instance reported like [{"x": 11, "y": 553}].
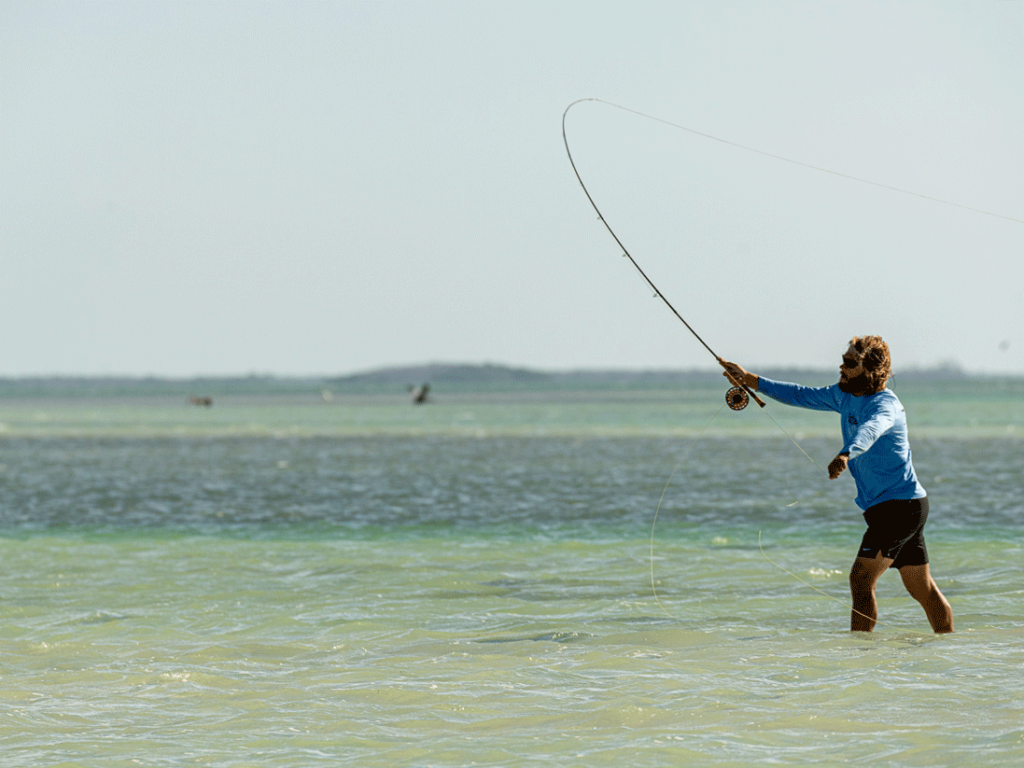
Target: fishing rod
[{"x": 739, "y": 395}]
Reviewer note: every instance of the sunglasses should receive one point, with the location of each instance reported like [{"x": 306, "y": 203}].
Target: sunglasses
[{"x": 849, "y": 362}]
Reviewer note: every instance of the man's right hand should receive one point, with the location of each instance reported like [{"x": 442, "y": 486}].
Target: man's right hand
[{"x": 738, "y": 374}]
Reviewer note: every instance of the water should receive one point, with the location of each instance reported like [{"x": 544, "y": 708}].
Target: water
[{"x": 283, "y": 581}]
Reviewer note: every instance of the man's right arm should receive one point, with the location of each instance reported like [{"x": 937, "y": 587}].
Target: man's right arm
[{"x": 815, "y": 398}]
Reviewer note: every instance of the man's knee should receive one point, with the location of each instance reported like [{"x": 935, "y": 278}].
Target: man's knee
[
  {"x": 918, "y": 582},
  {"x": 865, "y": 571}
]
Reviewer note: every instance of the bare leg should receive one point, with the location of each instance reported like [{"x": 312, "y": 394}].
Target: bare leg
[
  {"x": 863, "y": 578},
  {"x": 922, "y": 587}
]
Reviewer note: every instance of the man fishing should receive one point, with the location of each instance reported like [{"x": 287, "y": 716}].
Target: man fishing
[{"x": 876, "y": 450}]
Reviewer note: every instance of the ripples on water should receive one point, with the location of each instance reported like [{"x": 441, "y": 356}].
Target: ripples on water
[
  {"x": 451, "y": 600},
  {"x": 515, "y": 484}
]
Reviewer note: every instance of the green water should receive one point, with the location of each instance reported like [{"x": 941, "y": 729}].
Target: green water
[{"x": 285, "y": 581}]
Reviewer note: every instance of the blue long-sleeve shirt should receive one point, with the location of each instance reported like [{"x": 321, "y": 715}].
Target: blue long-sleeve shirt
[{"x": 874, "y": 434}]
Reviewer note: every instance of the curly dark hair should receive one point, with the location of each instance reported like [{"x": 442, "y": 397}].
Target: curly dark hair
[{"x": 874, "y": 354}]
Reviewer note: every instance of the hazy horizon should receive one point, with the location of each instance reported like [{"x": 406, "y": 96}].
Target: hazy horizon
[{"x": 948, "y": 367}]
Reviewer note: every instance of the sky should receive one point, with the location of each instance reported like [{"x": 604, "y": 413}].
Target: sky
[{"x": 324, "y": 188}]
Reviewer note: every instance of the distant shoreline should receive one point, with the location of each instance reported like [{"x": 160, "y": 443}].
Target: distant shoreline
[{"x": 451, "y": 377}]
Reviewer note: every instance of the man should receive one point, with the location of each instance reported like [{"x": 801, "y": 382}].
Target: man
[{"x": 877, "y": 452}]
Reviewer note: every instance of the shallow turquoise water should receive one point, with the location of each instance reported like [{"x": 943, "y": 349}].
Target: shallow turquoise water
[{"x": 365, "y": 583}]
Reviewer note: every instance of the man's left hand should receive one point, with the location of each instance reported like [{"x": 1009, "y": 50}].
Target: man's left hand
[{"x": 838, "y": 465}]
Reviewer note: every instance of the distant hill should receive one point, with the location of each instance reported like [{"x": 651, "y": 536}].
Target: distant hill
[
  {"x": 453, "y": 377},
  {"x": 444, "y": 373},
  {"x": 464, "y": 376}
]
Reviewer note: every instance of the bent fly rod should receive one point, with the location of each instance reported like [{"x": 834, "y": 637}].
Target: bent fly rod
[{"x": 739, "y": 395}]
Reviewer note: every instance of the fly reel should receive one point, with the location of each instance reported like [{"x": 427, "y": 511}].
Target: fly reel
[{"x": 737, "y": 398}]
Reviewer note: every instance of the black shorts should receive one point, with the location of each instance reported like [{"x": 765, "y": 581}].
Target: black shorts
[{"x": 896, "y": 529}]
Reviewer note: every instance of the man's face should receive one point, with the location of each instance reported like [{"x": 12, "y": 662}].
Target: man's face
[{"x": 852, "y": 376}]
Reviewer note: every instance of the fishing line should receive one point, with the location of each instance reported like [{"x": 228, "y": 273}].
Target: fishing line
[
  {"x": 664, "y": 491},
  {"x": 802, "y": 164}
]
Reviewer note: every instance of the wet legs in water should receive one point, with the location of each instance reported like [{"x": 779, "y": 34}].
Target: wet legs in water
[{"x": 916, "y": 578}]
